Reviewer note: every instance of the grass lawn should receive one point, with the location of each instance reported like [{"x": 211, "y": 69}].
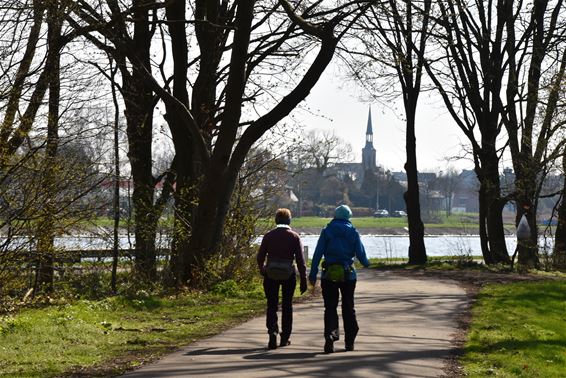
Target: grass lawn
[
  {"x": 108, "y": 336},
  {"x": 458, "y": 221},
  {"x": 453, "y": 221},
  {"x": 518, "y": 330},
  {"x": 434, "y": 262}
]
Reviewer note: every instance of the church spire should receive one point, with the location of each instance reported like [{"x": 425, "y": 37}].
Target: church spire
[
  {"x": 369, "y": 131},
  {"x": 368, "y": 152}
]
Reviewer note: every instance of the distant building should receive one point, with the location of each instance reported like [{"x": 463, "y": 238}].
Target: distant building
[
  {"x": 357, "y": 171},
  {"x": 366, "y": 183},
  {"x": 465, "y": 197},
  {"x": 368, "y": 152}
]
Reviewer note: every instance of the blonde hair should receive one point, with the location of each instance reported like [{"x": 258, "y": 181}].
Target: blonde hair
[{"x": 283, "y": 216}]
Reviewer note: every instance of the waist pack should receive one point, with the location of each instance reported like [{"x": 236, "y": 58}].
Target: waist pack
[
  {"x": 279, "y": 270},
  {"x": 337, "y": 272}
]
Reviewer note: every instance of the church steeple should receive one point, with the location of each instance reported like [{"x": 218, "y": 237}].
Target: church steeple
[
  {"x": 368, "y": 152},
  {"x": 369, "y": 131}
]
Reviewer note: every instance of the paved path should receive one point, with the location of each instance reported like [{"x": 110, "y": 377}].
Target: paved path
[{"x": 405, "y": 331}]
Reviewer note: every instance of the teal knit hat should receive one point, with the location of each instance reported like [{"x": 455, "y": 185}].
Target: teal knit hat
[{"x": 342, "y": 212}]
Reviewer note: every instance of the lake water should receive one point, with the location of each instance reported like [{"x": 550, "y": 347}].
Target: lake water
[
  {"x": 379, "y": 246},
  {"x": 389, "y": 246}
]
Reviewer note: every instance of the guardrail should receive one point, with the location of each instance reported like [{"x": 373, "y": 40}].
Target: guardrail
[{"x": 75, "y": 256}]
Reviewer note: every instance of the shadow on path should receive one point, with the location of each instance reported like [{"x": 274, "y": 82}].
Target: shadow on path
[{"x": 406, "y": 328}]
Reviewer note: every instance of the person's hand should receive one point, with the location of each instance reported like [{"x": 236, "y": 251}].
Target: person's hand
[
  {"x": 262, "y": 271},
  {"x": 312, "y": 282},
  {"x": 303, "y": 287}
]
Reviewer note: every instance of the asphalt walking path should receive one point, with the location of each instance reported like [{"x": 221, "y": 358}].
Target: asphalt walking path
[{"x": 406, "y": 328}]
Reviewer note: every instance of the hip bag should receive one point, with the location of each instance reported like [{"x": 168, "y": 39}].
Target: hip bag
[
  {"x": 279, "y": 270},
  {"x": 336, "y": 272}
]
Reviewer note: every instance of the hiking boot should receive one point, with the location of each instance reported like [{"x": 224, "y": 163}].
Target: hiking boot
[
  {"x": 329, "y": 346},
  {"x": 284, "y": 342},
  {"x": 349, "y": 347},
  {"x": 272, "y": 341}
]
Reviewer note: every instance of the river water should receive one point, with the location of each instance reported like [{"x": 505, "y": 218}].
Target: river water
[
  {"x": 379, "y": 246},
  {"x": 392, "y": 246}
]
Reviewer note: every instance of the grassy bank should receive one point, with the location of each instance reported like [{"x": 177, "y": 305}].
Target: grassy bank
[
  {"x": 111, "y": 335},
  {"x": 468, "y": 220},
  {"x": 518, "y": 322},
  {"x": 518, "y": 330},
  {"x": 453, "y": 221}
]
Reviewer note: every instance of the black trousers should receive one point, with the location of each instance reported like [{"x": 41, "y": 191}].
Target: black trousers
[
  {"x": 271, "y": 289},
  {"x": 331, "y": 292}
]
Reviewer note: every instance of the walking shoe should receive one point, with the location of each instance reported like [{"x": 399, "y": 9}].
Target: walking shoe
[
  {"x": 329, "y": 346},
  {"x": 349, "y": 347},
  {"x": 272, "y": 341},
  {"x": 284, "y": 342}
]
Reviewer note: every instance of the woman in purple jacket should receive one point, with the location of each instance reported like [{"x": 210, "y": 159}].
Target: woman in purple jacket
[{"x": 281, "y": 247}]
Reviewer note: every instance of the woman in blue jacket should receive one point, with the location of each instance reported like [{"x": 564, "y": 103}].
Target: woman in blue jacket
[{"x": 339, "y": 243}]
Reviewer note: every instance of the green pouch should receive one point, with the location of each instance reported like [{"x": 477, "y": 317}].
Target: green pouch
[{"x": 335, "y": 273}]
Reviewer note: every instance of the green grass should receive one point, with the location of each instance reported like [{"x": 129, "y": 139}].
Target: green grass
[
  {"x": 432, "y": 261},
  {"x": 518, "y": 330},
  {"x": 50, "y": 341},
  {"x": 463, "y": 221},
  {"x": 460, "y": 221},
  {"x": 361, "y": 222}
]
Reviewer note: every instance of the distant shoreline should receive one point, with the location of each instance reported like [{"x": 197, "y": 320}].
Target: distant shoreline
[{"x": 396, "y": 231}]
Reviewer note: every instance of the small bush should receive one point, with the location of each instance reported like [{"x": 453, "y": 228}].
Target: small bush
[
  {"x": 227, "y": 288},
  {"x": 12, "y": 325}
]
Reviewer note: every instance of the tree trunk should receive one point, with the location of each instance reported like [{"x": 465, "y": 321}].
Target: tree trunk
[
  {"x": 559, "y": 252},
  {"x": 145, "y": 219},
  {"x": 496, "y": 232},
  {"x": 46, "y": 234},
  {"x": 490, "y": 187},
  {"x": 525, "y": 186},
  {"x": 15, "y": 93},
  {"x": 187, "y": 163},
  {"x": 214, "y": 203},
  {"x": 417, "y": 250},
  {"x": 138, "y": 98},
  {"x": 484, "y": 240},
  {"x": 116, "y": 199}
]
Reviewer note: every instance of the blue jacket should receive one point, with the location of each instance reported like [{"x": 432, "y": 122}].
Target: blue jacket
[{"x": 339, "y": 242}]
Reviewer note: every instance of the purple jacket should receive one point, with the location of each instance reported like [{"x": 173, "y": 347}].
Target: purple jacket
[{"x": 282, "y": 243}]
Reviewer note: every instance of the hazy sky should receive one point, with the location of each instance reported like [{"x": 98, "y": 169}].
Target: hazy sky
[{"x": 437, "y": 136}]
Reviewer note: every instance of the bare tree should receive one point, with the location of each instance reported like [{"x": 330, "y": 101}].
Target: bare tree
[
  {"x": 467, "y": 67},
  {"x": 402, "y": 28},
  {"x": 490, "y": 77},
  {"x": 559, "y": 251},
  {"x": 536, "y": 61},
  {"x": 231, "y": 106},
  {"x": 320, "y": 149},
  {"x": 447, "y": 183},
  {"x": 45, "y": 234}
]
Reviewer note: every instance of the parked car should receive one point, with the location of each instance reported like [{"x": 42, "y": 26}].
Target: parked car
[
  {"x": 399, "y": 214},
  {"x": 381, "y": 213}
]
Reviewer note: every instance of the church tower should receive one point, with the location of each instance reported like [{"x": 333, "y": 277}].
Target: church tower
[{"x": 368, "y": 152}]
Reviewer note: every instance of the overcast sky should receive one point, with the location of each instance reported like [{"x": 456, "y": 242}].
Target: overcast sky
[{"x": 437, "y": 136}]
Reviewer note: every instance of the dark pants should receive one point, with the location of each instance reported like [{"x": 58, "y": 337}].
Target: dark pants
[
  {"x": 331, "y": 292},
  {"x": 271, "y": 288}
]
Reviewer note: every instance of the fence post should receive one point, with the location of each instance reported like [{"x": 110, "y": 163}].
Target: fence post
[{"x": 306, "y": 253}]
